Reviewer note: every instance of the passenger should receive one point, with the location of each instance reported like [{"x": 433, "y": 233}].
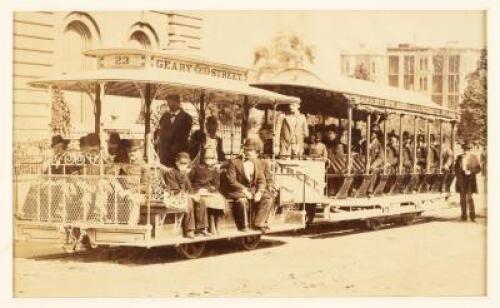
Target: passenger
[
  {"x": 292, "y": 129},
  {"x": 84, "y": 149},
  {"x": 174, "y": 130},
  {"x": 266, "y": 136},
  {"x": 308, "y": 142},
  {"x": 205, "y": 180},
  {"x": 407, "y": 152},
  {"x": 59, "y": 147},
  {"x": 341, "y": 147},
  {"x": 329, "y": 141},
  {"x": 179, "y": 189},
  {"x": 421, "y": 152},
  {"x": 357, "y": 137},
  {"x": 376, "y": 151},
  {"x": 434, "y": 152},
  {"x": 447, "y": 155},
  {"x": 247, "y": 183},
  {"x": 93, "y": 146},
  {"x": 360, "y": 145},
  {"x": 318, "y": 148},
  {"x": 116, "y": 151},
  {"x": 200, "y": 140},
  {"x": 136, "y": 168},
  {"x": 392, "y": 155}
]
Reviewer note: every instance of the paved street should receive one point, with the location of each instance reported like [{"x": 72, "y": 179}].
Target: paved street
[{"x": 436, "y": 256}]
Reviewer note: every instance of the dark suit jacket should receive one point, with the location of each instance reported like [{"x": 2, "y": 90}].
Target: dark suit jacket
[
  {"x": 237, "y": 182},
  {"x": 176, "y": 182},
  {"x": 174, "y": 136},
  {"x": 466, "y": 183},
  {"x": 204, "y": 177}
]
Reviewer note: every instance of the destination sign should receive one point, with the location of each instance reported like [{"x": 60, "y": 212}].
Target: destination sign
[
  {"x": 189, "y": 66},
  {"x": 192, "y": 67}
]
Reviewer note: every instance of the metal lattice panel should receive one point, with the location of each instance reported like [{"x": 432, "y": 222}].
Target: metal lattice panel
[{"x": 83, "y": 198}]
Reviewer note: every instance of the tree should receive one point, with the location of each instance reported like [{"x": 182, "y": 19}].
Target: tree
[
  {"x": 287, "y": 50},
  {"x": 472, "y": 126},
  {"x": 61, "y": 116},
  {"x": 361, "y": 72}
]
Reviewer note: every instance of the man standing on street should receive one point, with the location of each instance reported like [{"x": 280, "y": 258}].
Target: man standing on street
[
  {"x": 466, "y": 167},
  {"x": 175, "y": 126}
]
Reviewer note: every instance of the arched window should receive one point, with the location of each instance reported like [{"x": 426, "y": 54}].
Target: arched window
[
  {"x": 139, "y": 40},
  {"x": 142, "y": 36},
  {"x": 79, "y": 35},
  {"x": 77, "y": 39}
]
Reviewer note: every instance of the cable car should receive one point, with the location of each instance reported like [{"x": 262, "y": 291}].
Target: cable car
[
  {"x": 89, "y": 202},
  {"x": 361, "y": 183}
]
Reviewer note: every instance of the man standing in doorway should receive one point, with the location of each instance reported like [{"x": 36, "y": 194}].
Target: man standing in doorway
[
  {"x": 175, "y": 126},
  {"x": 466, "y": 167}
]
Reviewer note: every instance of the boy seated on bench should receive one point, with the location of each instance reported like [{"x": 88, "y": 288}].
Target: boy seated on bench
[{"x": 179, "y": 191}]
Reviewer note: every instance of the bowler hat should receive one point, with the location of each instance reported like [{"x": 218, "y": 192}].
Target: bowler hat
[
  {"x": 57, "y": 139},
  {"x": 173, "y": 97},
  {"x": 251, "y": 144}
]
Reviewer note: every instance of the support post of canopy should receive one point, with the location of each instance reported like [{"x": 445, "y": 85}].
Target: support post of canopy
[
  {"x": 440, "y": 146},
  {"x": 385, "y": 143},
  {"x": 147, "y": 122},
  {"x": 400, "y": 171},
  {"x": 97, "y": 109},
  {"x": 202, "y": 113},
  {"x": 367, "y": 145},
  {"x": 100, "y": 90},
  {"x": 147, "y": 140},
  {"x": 452, "y": 139},
  {"x": 273, "y": 132},
  {"x": 428, "y": 146},
  {"x": 349, "y": 139},
  {"x": 246, "y": 119},
  {"x": 232, "y": 131},
  {"x": 414, "y": 167}
]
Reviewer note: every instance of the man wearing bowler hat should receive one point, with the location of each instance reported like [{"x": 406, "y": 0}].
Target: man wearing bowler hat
[
  {"x": 466, "y": 167},
  {"x": 175, "y": 126},
  {"x": 246, "y": 182}
]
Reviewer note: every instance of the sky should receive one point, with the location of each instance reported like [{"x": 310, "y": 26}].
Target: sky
[{"x": 232, "y": 36}]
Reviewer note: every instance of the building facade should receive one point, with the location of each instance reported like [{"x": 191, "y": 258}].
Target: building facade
[
  {"x": 440, "y": 73},
  {"x": 364, "y": 63},
  {"x": 47, "y": 43}
]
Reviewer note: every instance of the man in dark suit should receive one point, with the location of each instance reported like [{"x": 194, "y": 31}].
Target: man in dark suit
[
  {"x": 247, "y": 183},
  {"x": 466, "y": 167},
  {"x": 175, "y": 127}
]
